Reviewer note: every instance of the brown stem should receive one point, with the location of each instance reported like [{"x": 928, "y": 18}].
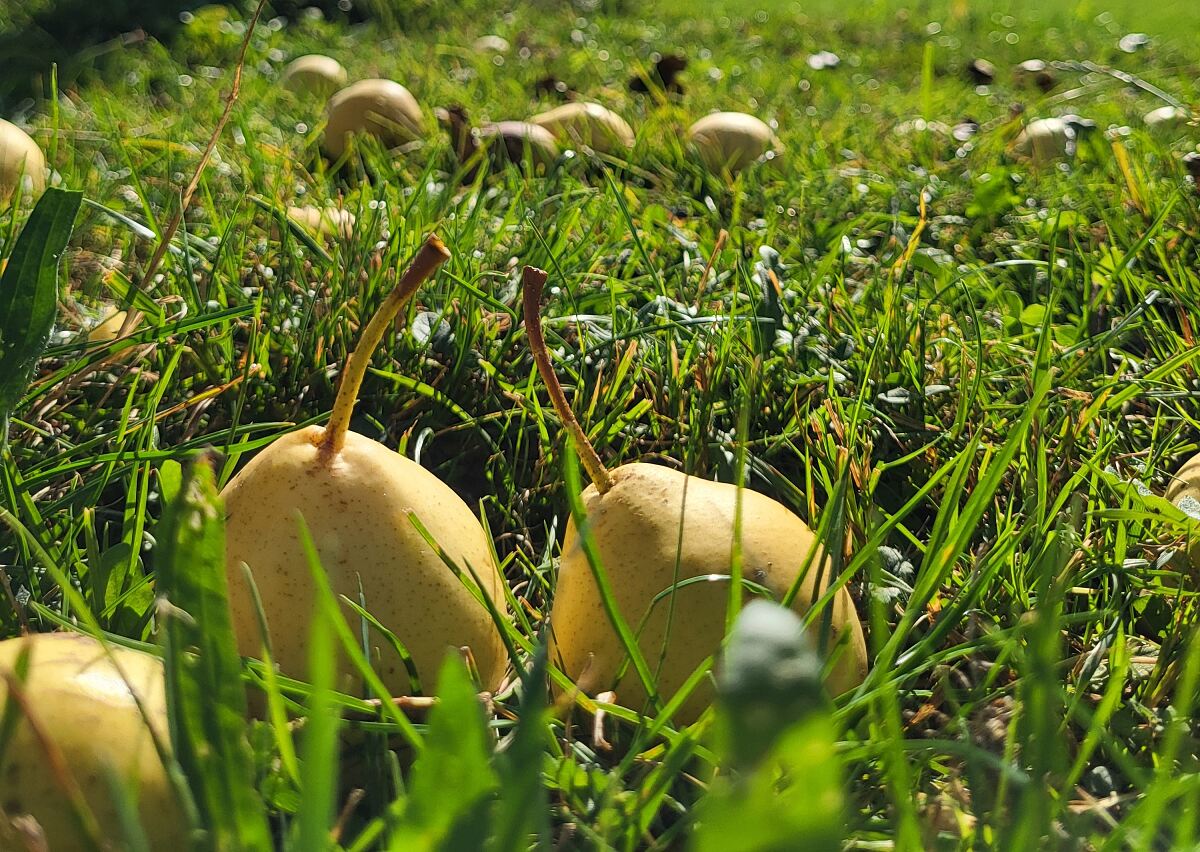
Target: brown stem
[
  {"x": 532, "y": 282},
  {"x": 430, "y": 256}
]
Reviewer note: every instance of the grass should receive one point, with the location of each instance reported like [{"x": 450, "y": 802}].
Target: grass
[{"x": 972, "y": 375}]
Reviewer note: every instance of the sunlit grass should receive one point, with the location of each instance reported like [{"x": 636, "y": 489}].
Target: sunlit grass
[{"x": 975, "y": 399}]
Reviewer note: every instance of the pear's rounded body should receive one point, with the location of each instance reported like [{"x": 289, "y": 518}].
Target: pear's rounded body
[
  {"x": 356, "y": 505},
  {"x": 644, "y": 552},
  {"x": 21, "y": 163},
  {"x": 1167, "y": 118},
  {"x": 1035, "y": 72},
  {"x": 1047, "y": 140},
  {"x": 1184, "y": 492},
  {"x": 381, "y": 108},
  {"x": 84, "y": 705},
  {"x": 491, "y": 44},
  {"x": 314, "y": 74},
  {"x": 1186, "y": 483},
  {"x": 327, "y": 221},
  {"x": 108, "y": 329},
  {"x": 731, "y": 140},
  {"x": 515, "y": 140},
  {"x": 589, "y": 124}
]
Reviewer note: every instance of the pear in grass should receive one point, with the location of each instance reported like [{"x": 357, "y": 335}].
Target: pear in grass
[
  {"x": 504, "y": 141},
  {"x": 327, "y": 221},
  {"x": 356, "y": 497},
  {"x": 1184, "y": 492},
  {"x": 22, "y": 164},
  {"x": 1048, "y": 140},
  {"x": 79, "y": 704},
  {"x": 732, "y": 140},
  {"x": 589, "y": 124},
  {"x": 314, "y": 74},
  {"x": 655, "y": 529},
  {"x": 376, "y": 107}
]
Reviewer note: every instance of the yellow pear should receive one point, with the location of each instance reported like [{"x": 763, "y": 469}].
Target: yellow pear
[
  {"x": 1035, "y": 72},
  {"x": 1186, "y": 482},
  {"x": 588, "y": 124},
  {"x": 1184, "y": 492},
  {"x": 1047, "y": 140},
  {"x": 21, "y": 163},
  {"x": 516, "y": 142},
  {"x": 85, "y": 707},
  {"x": 108, "y": 329},
  {"x": 654, "y": 528},
  {"x": 1167, "y": 117},
  {"x": 731, "y": 140},
  {"x": 327, "y": 221},
  {"x": 314, "y": 74},
  {"x": 381, "y": 108},
  {"x": 356, "y": 497}
]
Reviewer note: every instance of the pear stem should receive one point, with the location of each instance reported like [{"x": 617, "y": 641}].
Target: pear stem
[
  {"x": 532, "y": 282},
  {"x": 429, "y": 257}
]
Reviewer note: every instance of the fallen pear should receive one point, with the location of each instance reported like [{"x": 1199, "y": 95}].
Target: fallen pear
[
  {"x": 380, "y": 108},
  {"x": 1184, "y": 488},
  {"x": 108, "y": 329},
  {"x": 1191, "y": 162},
  {"x": 314, "y": 74},
  {"x": 22, "y": 164},
  {"x": 490, "y": 44},
  {"x": 732, "y": 140},
  {"x": 327, "y": 221},
  {"x": 1035, "y": 72},
  {"x": 654, "y": 529},
  {"x": 356, "y": 497},
  {"x": 589, "y": 124},
  {"x": 76, "y": 720},
  {"x": 981, "y": 72},
  {"x": 1046, "y": 140},
  {"x": 516, "y": 142},
  {"x": 1167, "y": 118},
  {"x": 1184, "y": 492}
]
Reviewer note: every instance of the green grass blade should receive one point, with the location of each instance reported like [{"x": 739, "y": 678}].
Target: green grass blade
[
  {"x": 574, "y": 488},
  {"x": 319, "y": 770},
  {"x": 450, "y": 792},
  {"x": 206, "y": 698},
  {"x": 523, "y": 809}
]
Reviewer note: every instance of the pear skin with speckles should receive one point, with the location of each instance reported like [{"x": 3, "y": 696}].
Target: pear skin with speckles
[
  {"x": 21, "y": 162},
  {"x": 356, "y": 505},
  {"x": 1184, "y": 492},
  {"x": 636, "y": 528},
  {"x": 86, "y": 706}
]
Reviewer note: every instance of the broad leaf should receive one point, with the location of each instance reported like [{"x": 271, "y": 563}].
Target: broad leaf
[
  {"x": 206, "y": 699},
  {"x": 791, "y": 803},
  {"x": 782, "y": 788},
  {"x": 523, "y": 810},
  {"x": 29, "y": 294},
  {"x": 770, "y": 676},
  {"x": 452, "y": 782}
]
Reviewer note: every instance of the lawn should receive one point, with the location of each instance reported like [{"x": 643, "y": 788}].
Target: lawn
[{"x": 971, "y": 373}]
